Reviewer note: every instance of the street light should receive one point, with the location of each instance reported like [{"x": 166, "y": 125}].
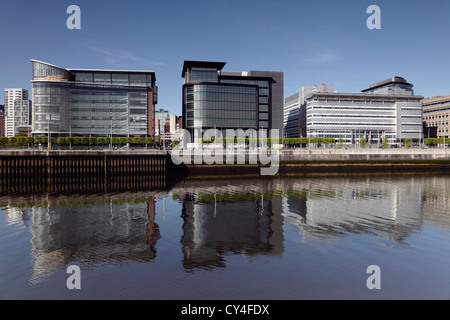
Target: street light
[{"x": 48, "y": 116}]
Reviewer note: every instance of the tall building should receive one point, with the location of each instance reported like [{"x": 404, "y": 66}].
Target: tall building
[
  {"x": 17, "y": 111},
  {"x": 294, "y": 121},
  {"x": 387, "y": 109},
  {"x": 93, "y": 102},
  {"x": 163, "y": 117},
  {"x": 436, "y": 112},
  {"x": 213, "y": 99}
]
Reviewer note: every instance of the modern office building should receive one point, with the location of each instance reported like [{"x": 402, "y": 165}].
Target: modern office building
[
  {"x": 213, "y": 99},
  {"x": 294, "y": 120},
  {"x": 163, "y": 117},
  {"x": 387, "y": 109},
  {"x": 17, "y": 111},
  {"x": 436, "y": 112},
  {"x": 91, "y": 102}
]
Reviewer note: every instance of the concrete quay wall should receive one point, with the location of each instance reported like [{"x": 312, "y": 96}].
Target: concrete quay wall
[{"x": 364, "y": 154}]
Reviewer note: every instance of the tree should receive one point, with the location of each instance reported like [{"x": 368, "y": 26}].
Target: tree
[
  {"x": 92, "y": 141},
  {"x": 3, "y": 141},
  {"x": 77, "y": 140},
  {"x": 362, "y": 142},
  {"x": 61, "y": 141},
  {"x": 340, "y": 143},
  {"x": 385, "y": 143},
  {"x": 408, "y": 142},
  {"x": 123, "y": 141}
]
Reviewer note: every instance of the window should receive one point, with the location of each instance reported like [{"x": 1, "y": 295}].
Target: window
[
  {"x": 120, "y": 78},
  {"x": 101, "y": 77}
]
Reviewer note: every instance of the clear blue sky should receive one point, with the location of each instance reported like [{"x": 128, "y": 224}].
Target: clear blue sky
[{"x": 312, "y": 42}]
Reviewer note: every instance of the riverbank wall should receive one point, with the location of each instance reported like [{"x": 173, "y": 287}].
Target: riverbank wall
[
  {"x": 124, "y": 170},
  {"x": 329, "y": 161}
]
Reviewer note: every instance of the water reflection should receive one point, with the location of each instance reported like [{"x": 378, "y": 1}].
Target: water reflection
[
  {"x": 215, "y": 227},
  {"x": 87, "y": 229},
  {"x": 217, "y": 219},
  {"x": 320, "y": 209}
]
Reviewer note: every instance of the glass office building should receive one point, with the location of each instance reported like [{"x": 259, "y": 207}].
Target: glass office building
[
  {"x": 213, "y": 99},
  {"x": 92, "y": 102}
]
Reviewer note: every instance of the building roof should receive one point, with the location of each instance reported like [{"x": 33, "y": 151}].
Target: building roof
[
  {"x": 396, "y": 80},
  {"x": 48, "y": 64},
  {"x": 95, "y": 70},
  {"x": 360, "y": 95},
  {"x": 435, "y": 99},
  {"x": 201, "y": 64}
]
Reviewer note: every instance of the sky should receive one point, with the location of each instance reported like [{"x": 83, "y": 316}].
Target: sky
[{"x": 311, "y": 42}]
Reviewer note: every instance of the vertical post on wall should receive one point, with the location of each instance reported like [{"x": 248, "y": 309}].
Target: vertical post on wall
[{"x": 48, "y": 131}]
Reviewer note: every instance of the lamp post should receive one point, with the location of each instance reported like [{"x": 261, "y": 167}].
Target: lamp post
[
  {"x": 49, "y": 116},
  {"x": 110, "y": 135}
]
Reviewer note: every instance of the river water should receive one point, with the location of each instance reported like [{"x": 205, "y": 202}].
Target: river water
[{"x": 281, "y": 238}]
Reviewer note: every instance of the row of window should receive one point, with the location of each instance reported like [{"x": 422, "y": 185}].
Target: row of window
[
  {"x": 362, "y": 108},
  {"x": 349, "y": 116},
  {"x": 133, "y": 79},
  {"x": 367, "y": 101},
  {"x": 437, "y": 116},
  {"x": 260, "y": 83},
  {"x": 437, "y": 123},
  {"x": 350, "y": 124}
]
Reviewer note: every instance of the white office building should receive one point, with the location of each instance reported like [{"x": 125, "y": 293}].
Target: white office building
[
  {"x": 294, "y": 112},
  {"x": 17, "y": 111},
  {"x": 387, "y": 109}
]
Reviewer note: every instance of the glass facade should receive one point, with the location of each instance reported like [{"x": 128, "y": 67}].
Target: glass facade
[
  {"x": 51, "y": 109},
  {"x": 263, "y": 97},
  {"x": 213, "y": 99},
  {"x": 203, "y": 75},
  {"x": 45, "y": 70},
  {"x": 96, "y": 103},
  {"x": 221, "y": 106},
  {"x": 120, "y": 78}
]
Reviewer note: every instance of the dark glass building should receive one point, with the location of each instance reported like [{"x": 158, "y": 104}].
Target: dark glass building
[
  {"x": 92, "y": 102},
  {"x": 213, "y": 99}
]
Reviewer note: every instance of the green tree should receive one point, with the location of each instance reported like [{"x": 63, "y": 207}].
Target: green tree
[
  {"x": 62, "y": 141},
  {"x": 385, "y": 143},
  {"x": 76, "y": 140},
  {"x": 408, "y": 142},
  {"x": 123, "y": 141},
  {"x": 92, "y": 141},
  {"x": 362, "y": 142},
  {"x": 3, "y": 141},
  {"x": 41, "y": 140},
  {"x": 103, "y": 140}
]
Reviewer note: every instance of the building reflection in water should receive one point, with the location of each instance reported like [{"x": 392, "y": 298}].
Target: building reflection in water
[
  {"x": 90, "y": 230},
  {"x": 214, "y": 226},
  {"x": 219, "y": 219},
  {"x": 323, "y": 209}
]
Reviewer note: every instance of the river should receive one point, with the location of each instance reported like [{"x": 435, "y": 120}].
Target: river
[{"x": 272, "y": 238}]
